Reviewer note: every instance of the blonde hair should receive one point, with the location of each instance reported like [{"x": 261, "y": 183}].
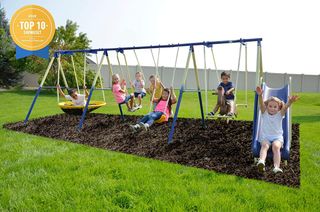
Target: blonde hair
[
  {"x": 274, "y": 99},
  {"x": 114, "y": 77}
]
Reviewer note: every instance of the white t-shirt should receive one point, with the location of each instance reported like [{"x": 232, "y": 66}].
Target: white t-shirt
[
  {"x": 139, "y": 86},
  {"x": 271, "y": 126},
  {"x": 81, "y": 101}
]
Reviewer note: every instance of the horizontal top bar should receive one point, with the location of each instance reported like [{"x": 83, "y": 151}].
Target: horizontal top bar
[{"x": 121, "y": 49}]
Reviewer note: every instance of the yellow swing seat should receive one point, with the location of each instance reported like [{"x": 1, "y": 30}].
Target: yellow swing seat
[
  {"x": 161, "y": 119},
  {"x": 69, "y": 108}
]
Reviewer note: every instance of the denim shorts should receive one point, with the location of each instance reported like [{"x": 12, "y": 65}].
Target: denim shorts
[
  {"x": 143, "y": 94},
  {"x": 126, "y": 99}
]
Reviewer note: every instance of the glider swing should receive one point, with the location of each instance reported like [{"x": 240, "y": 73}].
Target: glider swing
[{"x": 224, "y": 107}]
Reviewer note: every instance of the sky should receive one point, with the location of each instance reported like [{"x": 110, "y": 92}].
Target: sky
[{"x": 289, "y": 29}]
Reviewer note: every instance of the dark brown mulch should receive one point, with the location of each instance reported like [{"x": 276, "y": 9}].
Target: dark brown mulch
[{"x": 222, "y": 147}]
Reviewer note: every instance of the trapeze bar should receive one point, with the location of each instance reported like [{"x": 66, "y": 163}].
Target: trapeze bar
[{"x": 121, "y": 49}]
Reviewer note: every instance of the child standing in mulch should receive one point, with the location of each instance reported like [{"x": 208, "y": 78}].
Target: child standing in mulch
[
  {"x": 120, "y": 93},
  {"x": 164, "y": 104},
  {"x": 273, "y": 111},
  {"x": 139, "y": 91},
  {"x": 225, "y": 97}
]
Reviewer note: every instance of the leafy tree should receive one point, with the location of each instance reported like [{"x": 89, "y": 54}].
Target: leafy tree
[
  {"x": 10, "y": 69},
  {"x": 66, "y": 38}
]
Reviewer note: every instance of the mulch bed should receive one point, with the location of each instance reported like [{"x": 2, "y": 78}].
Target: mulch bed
[{"x": 221, "y": 147}]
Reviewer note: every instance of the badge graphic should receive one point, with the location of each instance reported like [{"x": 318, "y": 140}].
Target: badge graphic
[{"x": 32, "y": 28}]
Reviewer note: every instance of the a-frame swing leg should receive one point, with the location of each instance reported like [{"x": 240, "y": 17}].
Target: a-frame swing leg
[
  {"x": 38, "y": 91},
  {"x": 90, "y": 94},
  {"x": 198, "y": 85},
  {"x": 180, "y": 98},
  {"x": 191, "y": 53}
]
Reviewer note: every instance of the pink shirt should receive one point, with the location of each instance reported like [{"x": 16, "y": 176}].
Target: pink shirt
[
  {"x": 161, "y": 107},
  {"x": 120, "y": 97}
]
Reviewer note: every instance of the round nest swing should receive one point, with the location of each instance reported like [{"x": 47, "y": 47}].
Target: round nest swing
[{"x": 69, "y": 108}]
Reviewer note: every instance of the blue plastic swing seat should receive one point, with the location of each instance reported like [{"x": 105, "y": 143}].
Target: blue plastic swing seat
[{"x": 281, "y": 93}]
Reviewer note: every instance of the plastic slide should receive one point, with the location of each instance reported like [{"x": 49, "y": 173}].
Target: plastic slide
[{"x": 281, "y": 93}]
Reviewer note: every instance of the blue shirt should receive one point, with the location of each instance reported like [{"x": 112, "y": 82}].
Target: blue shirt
[{"x": 227, "y": 87}]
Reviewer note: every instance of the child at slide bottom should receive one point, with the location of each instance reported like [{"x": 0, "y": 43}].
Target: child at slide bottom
[
  {"x": 160, "y": 109},
  {"x": 225, "y": 97},
  {"x": 273, "y": 111},
  {"x": 77, "y": 99},
  {"x": 119, "y": 92}
]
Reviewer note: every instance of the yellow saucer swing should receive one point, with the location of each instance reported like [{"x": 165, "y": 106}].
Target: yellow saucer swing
[{"x": 67, "y": 106}]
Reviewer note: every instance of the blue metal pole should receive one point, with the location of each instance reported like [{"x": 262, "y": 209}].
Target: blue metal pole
[
  {"x": 121, "y": 112},
  {"x": 255, "y": 114},
  {"x": 175, "y": 115},
  {"x": 201, "y": 107},
  {"x": 32, "y": 105},
  {"x": 85, "y": 109}
]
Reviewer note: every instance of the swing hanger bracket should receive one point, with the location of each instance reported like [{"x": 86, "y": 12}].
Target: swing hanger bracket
[{"x": 120, "y": 50}]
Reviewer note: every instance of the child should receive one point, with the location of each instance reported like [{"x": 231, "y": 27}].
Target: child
[
  {"x": 273, "y": 111},
  {"x": 139, "y": 91},
  {"x": 77, "y": 99},
  {"x": 225, "y": 97},
  {"x": 119, "y": 92},
  {"x": 160, "y": 109},
  {"x": 156, "y": 84}
]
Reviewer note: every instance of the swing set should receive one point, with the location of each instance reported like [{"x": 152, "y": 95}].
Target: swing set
[{"x": 92, "y": 105}]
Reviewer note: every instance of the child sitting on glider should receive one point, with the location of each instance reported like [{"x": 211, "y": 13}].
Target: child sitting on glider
[
  {"x": 139, "y": 91},
  {"x": 120, "y": 93},
  {"x": 164, "y": 104},
  {"x": 273, "y": 111},
  {"x": 77, "y": 99},
  {"x": 156, "y": 86},
  {"x": 225, "y": 100}
]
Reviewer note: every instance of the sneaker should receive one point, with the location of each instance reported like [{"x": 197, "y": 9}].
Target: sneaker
[
  {"x": 132, "y": 109},
  {"x": 261, "y": 165},
  {"x": 211, "y": 114},
  {"x": 145, "y": 126},
  {"x": 230, "y": 114},
  {"x": 135, "y": 128},
  {"x": 139, "y": 107},
  {"x": 277, "y": 170}
]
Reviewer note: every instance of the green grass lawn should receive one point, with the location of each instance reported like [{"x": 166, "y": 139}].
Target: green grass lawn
[{"x": 44, "y": 174}]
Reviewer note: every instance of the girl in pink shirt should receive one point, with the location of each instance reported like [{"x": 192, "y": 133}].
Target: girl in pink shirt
[
  {"x": 119, "y": 92},
  {"x": 162, "y": 108}
]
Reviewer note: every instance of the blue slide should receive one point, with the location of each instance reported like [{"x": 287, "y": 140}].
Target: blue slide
[{"x": 281, "y": 93}]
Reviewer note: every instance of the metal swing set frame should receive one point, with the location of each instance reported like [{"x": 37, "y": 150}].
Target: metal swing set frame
[{"x": 191, "y": 56}]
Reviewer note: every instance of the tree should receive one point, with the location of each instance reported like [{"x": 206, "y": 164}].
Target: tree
[
  {"x": 10, "y": 69},
  {"x": 66, "y": 38}
]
